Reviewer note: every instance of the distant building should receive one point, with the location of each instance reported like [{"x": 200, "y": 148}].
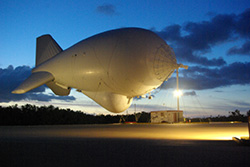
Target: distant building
[{"x": 166, "y": 116}]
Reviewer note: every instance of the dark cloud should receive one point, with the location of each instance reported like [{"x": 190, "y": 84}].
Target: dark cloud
[
  {"x": 199, "y": 78},
  {"x": 171, "y": 33},
  {"x": 192, "y": 57},
  {"x": 192, "y": 93},
  {"x": 193, "y": 39},
  {"x": 243, "y": 50},
  {"x": 11, "y": 77},
  {"x": 106, "y": 9},
  {"x": 201, "y": 36},
  {"x": 242, "y": 24}
]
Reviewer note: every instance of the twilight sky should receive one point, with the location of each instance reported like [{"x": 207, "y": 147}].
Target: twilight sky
[{"x": 211, "y": 36}]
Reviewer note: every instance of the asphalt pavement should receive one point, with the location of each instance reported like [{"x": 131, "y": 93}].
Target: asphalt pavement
[{"x": 124, "y": 145}]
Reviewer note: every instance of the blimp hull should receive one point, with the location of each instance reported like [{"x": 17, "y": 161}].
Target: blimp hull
[{"x": 111, "y": 68}]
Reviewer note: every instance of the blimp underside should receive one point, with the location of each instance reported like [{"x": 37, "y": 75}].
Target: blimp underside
[{"x": 111, "y": 68}]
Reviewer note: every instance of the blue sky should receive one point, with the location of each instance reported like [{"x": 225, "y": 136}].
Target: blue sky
[{"x": 212, "y": 37}]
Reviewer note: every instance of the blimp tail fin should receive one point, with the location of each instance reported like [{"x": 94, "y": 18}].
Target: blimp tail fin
[
  {"x": 35, "y": 80},
  {"x": 46, "y": 48},
  {"x": 58, "y": 90}
]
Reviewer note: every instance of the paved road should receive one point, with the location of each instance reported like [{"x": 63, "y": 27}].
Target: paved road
[{"x": 124, "y": 145}]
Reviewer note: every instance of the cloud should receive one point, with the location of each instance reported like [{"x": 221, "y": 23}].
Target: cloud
[
  {"x": 218, "y": 91},
  {"x": 242, "y": 25},
  {"x": 193, "y": 39},
  {"x": 241, "y": 104},
  {"x": 192, "y": 93},
  {"x": 243, "y": 50},
  {"x": 11, "y": 77},
  {"x": 106, "y": 9},
  {"x": 200, "y": 78}
]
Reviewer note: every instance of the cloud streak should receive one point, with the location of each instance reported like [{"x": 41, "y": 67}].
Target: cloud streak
[{"x": 11, "y": 77}]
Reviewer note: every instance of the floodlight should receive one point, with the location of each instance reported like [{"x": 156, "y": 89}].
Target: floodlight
[{"x": 178, "y": 93}]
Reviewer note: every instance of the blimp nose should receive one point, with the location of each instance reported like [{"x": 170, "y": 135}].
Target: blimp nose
[{"x": 164, "y": 63}]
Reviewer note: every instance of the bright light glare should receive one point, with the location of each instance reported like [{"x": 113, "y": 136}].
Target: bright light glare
[{"x": 178, "y": 93}]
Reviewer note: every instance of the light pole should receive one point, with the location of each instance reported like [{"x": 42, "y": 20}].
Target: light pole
[
  {"x": 178, "y": 93},
  {"x": 177, "y": 88}
]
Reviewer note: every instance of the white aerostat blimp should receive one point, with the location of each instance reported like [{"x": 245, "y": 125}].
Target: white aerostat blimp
[{"x": 111, "y": 67}]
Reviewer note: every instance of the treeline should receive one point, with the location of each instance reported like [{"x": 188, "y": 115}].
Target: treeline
[
  {"x": 50, "y": 115},
  {"x": 233, "y": 116}
]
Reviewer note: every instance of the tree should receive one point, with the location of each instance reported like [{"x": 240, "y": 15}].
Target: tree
[
  {"x": 248, "y": 113},
  {"x": 235, "y": 113}
]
